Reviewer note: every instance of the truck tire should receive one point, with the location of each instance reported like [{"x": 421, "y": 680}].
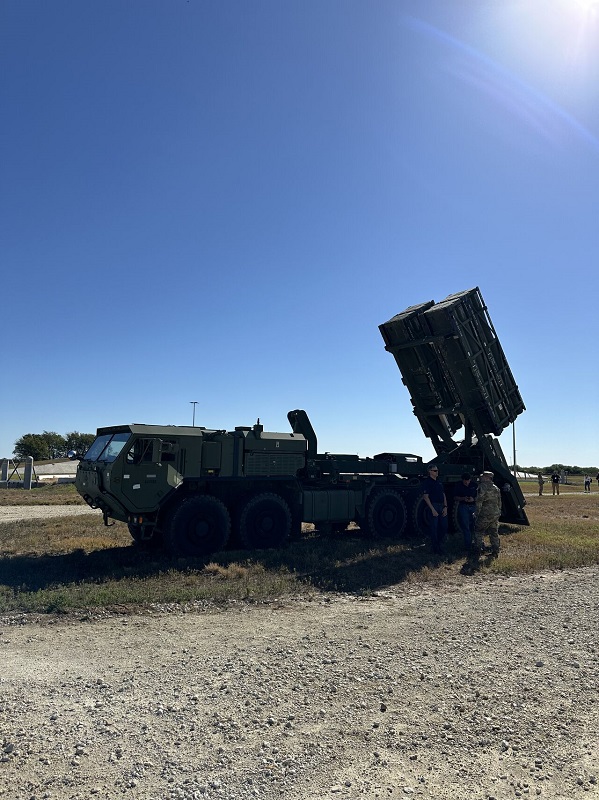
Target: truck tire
[
  {"x": 200, "y": 526},
  {"x": 420, "y": 515},
  {"x": 265, "y": 521},
  {"x": 386, "y": 514}
]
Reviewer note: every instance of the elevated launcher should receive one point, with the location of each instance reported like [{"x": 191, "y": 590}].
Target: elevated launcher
[{"x": 458, "y": 378}]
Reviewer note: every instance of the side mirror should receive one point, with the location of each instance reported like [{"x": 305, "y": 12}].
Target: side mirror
[{"x": 72, "y": 454}]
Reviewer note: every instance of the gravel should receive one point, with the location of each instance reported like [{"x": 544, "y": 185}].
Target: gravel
[
  {"x": 482, "y": 689},
  {"x": 15, "y": 513}
]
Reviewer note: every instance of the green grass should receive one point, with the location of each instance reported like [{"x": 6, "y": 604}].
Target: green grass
[
  {"x": 575, "y": 484},
  {"x": 76, "y": 564},
  {"x": 564, "y": 533}
]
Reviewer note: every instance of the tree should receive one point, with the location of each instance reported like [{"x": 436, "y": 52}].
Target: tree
[
  {"x": 56, "y": 444},
  {"x": 79, "y": 442},
  {"x": 49, "y": 444},
  {"x": 32, "y": 444}
]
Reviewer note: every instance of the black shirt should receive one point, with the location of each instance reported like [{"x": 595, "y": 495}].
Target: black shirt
[
  {"x": 462, "y": 490},
  {"x": 434, "y": 489}
]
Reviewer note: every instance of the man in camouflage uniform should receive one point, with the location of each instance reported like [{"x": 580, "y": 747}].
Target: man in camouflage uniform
[{"x": 488, "y": 511}]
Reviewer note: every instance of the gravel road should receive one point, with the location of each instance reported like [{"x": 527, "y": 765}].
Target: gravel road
[
  {"x": 14, "y": 513},
  {"x": 483, "y": 688}
]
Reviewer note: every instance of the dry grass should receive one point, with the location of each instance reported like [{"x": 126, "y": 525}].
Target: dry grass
[
  {"x": 51, "y": 494},
  {"x": 76, "y": 562},
  {"x": 564, "y": 532}
]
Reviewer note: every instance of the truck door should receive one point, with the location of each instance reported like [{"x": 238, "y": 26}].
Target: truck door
[{"x": 149, "y": 472}]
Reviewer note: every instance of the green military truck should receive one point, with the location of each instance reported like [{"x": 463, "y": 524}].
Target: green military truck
[{"x": 198, "y": 490}]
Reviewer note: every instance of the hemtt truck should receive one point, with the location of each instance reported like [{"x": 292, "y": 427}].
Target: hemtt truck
[{"x": 199, "y": 489}]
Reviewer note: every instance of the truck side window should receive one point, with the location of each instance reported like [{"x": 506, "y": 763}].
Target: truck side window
[
  {"x": 169, "y": 449},
  {"x": 141, "y": 451}
]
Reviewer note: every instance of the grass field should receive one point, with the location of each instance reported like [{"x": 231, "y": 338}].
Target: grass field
[
  {"x": 575, "y": 484},
  {"x": 52, "y": 494},
  {"x": 76, "y": 563}
]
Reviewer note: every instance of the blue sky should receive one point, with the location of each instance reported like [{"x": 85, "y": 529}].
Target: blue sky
[{"x": 220, "y": 201}]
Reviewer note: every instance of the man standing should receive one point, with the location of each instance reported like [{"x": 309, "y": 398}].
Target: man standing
[
  {"x": 465, "y": 496},
  {"x": 541, "y": 482},
  {"x": 434, "y": 497},
  {"x": 555, "y": 479},
  {"x": 488, "y": 511}
]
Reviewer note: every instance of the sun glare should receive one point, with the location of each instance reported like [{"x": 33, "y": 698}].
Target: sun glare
[
  {"x": 554, "y": 43},
  {"x": 589, "y": 6},
  {"x": 535, "y": 61}
]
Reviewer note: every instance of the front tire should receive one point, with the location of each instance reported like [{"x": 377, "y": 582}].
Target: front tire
[
  {"x": 265, "y": 521},
  {"x": 200, "y": 526}
]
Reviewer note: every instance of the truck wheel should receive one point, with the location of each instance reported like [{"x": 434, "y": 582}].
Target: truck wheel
[
  {"x": 386, "y": 514},
  {"x": 200, "y": 526},
  {"x": 265, "y": 521},
  {"x": 421, "y": 516},
  {"x": 296, "y": 527}
]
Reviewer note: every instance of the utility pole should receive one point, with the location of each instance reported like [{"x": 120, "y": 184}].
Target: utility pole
[{"x": 194, "y": 404}]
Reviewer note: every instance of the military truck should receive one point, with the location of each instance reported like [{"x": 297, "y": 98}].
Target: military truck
[{"x": 198, "y": 490}]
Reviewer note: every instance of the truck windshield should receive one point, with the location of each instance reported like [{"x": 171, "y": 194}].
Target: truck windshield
[{"x": 107, "y": 447}]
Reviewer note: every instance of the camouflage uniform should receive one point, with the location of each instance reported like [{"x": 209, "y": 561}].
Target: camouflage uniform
[{"x": 488, "y": 511}]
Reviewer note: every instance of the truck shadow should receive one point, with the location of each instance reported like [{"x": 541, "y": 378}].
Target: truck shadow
[
  {"x": 357, "y": 565},
  {"x": 31, "y": 573},
  {"x": 345, "y": 562},
  {"x": 349, "y": 564}
]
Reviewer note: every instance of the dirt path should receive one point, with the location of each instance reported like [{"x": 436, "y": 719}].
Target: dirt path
[
  {"x": 484, "y": 690},
  {"x": 14, "y": 513}
]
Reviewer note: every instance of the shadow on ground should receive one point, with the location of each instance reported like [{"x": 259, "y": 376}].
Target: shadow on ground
[{"x": 346, "y": 562}]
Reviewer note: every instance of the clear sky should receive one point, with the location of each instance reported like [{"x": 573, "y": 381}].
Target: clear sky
[{"x": 220, "y": 201}]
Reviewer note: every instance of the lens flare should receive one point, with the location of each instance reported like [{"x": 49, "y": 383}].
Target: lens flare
[{"x": 534, "y": 108}]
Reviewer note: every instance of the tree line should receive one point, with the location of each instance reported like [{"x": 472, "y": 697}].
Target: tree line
[
  {"x": 571, "y": 470},
  {"x": 49, "y": 444}
]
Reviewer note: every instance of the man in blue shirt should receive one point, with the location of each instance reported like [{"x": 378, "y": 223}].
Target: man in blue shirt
[
  {"x": 465, "y": 496},
  {"x": 434, "y": 497}
]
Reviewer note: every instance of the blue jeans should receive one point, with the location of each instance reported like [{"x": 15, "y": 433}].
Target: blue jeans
[
  {"x": 438, "y": 527},
  {"x": 466, "y": 522}
]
